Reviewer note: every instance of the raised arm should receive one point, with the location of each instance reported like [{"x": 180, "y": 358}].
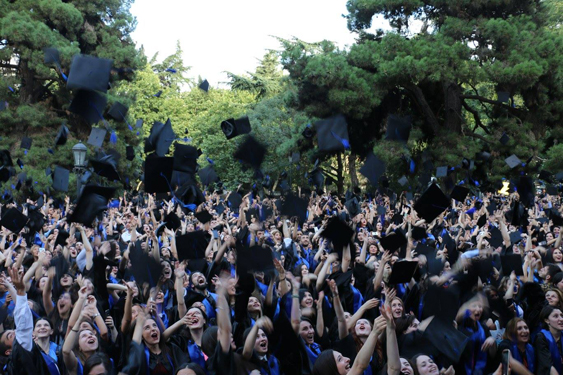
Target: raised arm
[
  {"x": 332, "y": 257},
  {"x": 264, "y": 323},
  {"x": 342, "y": 328},
  {"x": 295, "y": 311},
  {"x": 48, "y": 290},
  {"x": 364, "y": 355},
  {"x": 179, "y": 273},
  {"x": 369, "y": 304},
  {"x": 22, "y": 313},
  {"x": 127, "y": 313},
  {"x": 393, "y": 358}
]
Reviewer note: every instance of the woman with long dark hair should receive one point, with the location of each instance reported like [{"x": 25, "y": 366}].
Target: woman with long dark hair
[
  {"x": 516, "y": 338},
  {"x": 548, "y": 342}
]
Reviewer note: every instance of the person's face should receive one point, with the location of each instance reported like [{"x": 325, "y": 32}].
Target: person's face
[
  {"x": 89, "y": 286},
  {"x": 166, "y": 269},
  {"x": 66, "y": 281},
  {"x": 254, "y": 305},
  {"x": 342, "y": 363},
  {"x": 135, "y": 311},
  {"x": 426, "y": 365},
  {"x": 165, "y": 252},
  {"x": 277, "y": 236},
  {"x": 549, "y": 237},
  {"x": 133, "y": 286},
  {"x": 73, "y": 252},
  {"x": 100, "y": 370},
  {"x": 304, "y": 241},
  {"x": 195, "y": 318},
  {"x": 42, "y": 329},
  {"x": 476, "y": 309},
  {"x": 307, "y": 300},
  {"x": 231, "y": 258},
  {"x": 199, "y": 280},
  {"x": 363, "y": 328},
  {"x": 406, "y": 368},
  {"x": 543, "y": 272},
  {"x": 159, "y": 297},
  {"x": 64, "y": 304},
  {"x": 555, "y": 320},
  {"x": 304, "y": 270},
  {"x": 413, "y": 327},
  {"x": 447, "y": 267},
  {"x": 522, "y": 332},
  {"x": 552, "y": 298},
  {"x": 232, "y": 288},
  {"x": 42, "y": 283},
  {"x": 307, "y": 332},
  {"x": 200, "y": 305},
  {"x": 151, "y": 334},
  {"x": 261, "y": 343},
  {"x": 397, "y": 308},
  {"x": 87, "y": 341},
  {"x": 190, "y": 228},
  {"x": 557, "y": 255}
]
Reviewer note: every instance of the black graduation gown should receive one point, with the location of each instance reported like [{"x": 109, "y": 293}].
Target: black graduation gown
[
  {"x": 26, "y": 362},
  {"x": 137, "y": 363}
]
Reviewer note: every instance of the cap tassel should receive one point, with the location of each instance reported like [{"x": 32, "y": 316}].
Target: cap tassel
[{"x": 113, "y": 137}]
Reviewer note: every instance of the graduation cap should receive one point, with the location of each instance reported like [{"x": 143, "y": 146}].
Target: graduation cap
[
  {"x": 418, "y": 233},
  {"x": 515, "y": 237},
  {"x": 51, "y": 56},
  {"x": 235, "y": 200},
  {"x": 504, "y": 139},
  {"x": 207, "y": 175},
  {"x": 204, "y": 86},
  {"x": 398, "y": 128},
  {"x": 145, "y": 268},
  {"x": 512, "y": 161},
  {"x": 332, "y": 134},
  {"x": 511, "y": 262},
  {"x": 89, "y": 73},
  {"x": 432, "y": 203},
  {"x": 172, "y": 221},
  {"x": 441, "y": 172},
  {"x": 4, "y": 174},
  {"x": 338, "y": 232},
  {"x": 130, "y": 153},
  {"x": 91, "y": 204},
  {"x": 36, "y": 218},
  {"x": 308, "y": 132},
  {"x": 118, "y": 112},
  {"x": 482, "y": 221},
  {"x": 192, "y": 245},
  {"x": 6, "y": 159},
  {"x": 256, "y": 258},
  {"x": 556, "y": 218},
  {"x": 496, "y": 239},
  {"x": 373, "y": 168},
  {"x": 97, "y": 136},
  {"x": 190, "y": 194},
  {"x": 526, "y": 190},
  {"x": 13, "y": 220},
  {"x": 482, "y": 156},
  {"x": 353, "y": 206},
  {"x": 158, "y": 173},
  {"x": 160, "y": 138},
  {"x": 251, "y": 152},
  {"x": 89, "y": 105},
  {"x": 403, "y": 181},
  {"x": 60, "y": 178},
  {"x": 62, "y": 136},
  {"x": 61, "y": 265},
  {"x": 294, "y": 206},
  {"x": 185, "y": 158},
  {"x": 459, "y": 193},
  {"x": 20, "y": 163},
  {"x": 26, "y": 143},
  {"x": 317, "y": 178},
  {"x": 447, "y": 339},
  {"x": 503, "y": 96},
  {"x": 106, "y": 167},
  {"x": 231, "y": 127},
  {"x": 393, "y": 241},
  {"x": 203, "y": 216},
  {"x": 546, "y": 176},
  {"x": 402, "y": 272},
  {"x": 62, "y": 236}
]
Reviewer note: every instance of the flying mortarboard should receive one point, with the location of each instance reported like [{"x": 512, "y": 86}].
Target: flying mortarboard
[
  {"x": 172, "y": 221},
  {"x": 62, "y": 236},
  {"x": 89, "y": 105},
  {"x": 511, "y": 262},
  {"x": 204, "y": 86},
  {"x": 185, "y": 158},
  {"x": 97, "y": 136},
  {"x": 373, "y": 168},
  {"x": 118, "y": 112},
  {"x": 51, "y": 56},
  {"x": 459, "y": 193},
  {"x": 393, "y": 241},
  {"x": 60, "y": 178},
  {"x": 130, "y": 153},
  {"x": 255, "y": 258},
  {"x": 504, "y": 139},
  {"x": 106, "y": 167},
  {"x": 332, "y": 134},
  {"x": 62, "y": 136},
  {"x": 503, "y": 96},
  {"x": 203, "y": 216},
  {"x": 207, "y": 175},
  {"x": 26, "y": 143},
  {"x": 13, "y": 220},
  {"x": 295, "y": 157},
  {"x": 441, "y": 172},
  {"x": 512, "y": 161},
  {"x": 251, "y": 152},
  {"x": 235, "y": 200},
  {"x": 145, "y": 268},
  {"x": 91, "y": 204},
  {"x": 432, "y": 203},
  {"x": 398, "y": 128},
  {"x": 89, "y": 73},
  {"x": 338, "y": 232},
  {"x": 295, "y": 206},
  {"x": 192, "y": 245},
  {"x": 546, "y": 176},
  {"x": 231, "y": 127},
  {"x": 445, "y": 337},
  {"x": 158, "y": 174},
  {"x": 403, "y": 181},
  {"x": 402, "y": 272}
]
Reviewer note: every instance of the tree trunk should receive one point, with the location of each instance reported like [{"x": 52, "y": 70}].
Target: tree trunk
[
  {"x": 453, "y": 103},
  {"x": 28, "y": 84},
  {"x": 423, "y": 106},
  {"x": 339, "y": 174},
  {"x": 352, "y": 170}
]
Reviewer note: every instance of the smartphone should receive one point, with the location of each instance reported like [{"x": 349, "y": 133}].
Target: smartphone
[
  {"x": 41, "y": 249},
  {"x": 107, "y": 313},
  {"x": 215, "y": 234},
  {"x": 505, "y": 360}
]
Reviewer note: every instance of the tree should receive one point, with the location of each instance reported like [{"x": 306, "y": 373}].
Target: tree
[
  {"x": 265, "y": 82},
  {"x": 449, "y": 77}
]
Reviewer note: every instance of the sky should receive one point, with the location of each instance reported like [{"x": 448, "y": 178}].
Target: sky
[{"x": 232, "y": 35}]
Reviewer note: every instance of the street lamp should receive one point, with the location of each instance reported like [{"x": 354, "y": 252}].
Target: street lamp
[{"x": 79, "y": 151}]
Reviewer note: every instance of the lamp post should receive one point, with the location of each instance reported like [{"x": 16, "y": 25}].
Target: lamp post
[{"x": 79, "y": 151}]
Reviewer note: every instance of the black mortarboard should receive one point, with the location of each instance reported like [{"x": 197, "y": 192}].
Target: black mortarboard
[
  {"x": 402, "y": 272},
  {"x": 165, "y": 139},
  {"x": 511, "y": 262},
  {"x": 393, "y": 241},
  {"x": 551, "y": 189},
  {"x": 441, "y": 172},
  {"x": 341, "y": 279},
  {"x": 231, "y": 127},
  {"x": 447, "y": 339},
  {"x": 207, "y": 175},
  {"x": 6, "y": 158},
  {"x": 62, "y": 236},
  {"x": 89, "y": 105},
  {"x": 91, "y": 204},
  {"x": 189, "y": 193},
  {"x": 118, "y": 112},
  {"x": 235, "y": 200},
  {"x": 512, "y": 161},
  {"x": 381, "y": 210},
  {"x": 256, "y": 258},
  {"x": 295, "y": 206},
  {"x": 185, "y": 158},
  {"x": 317, "y": 178},
  {"x": 459, "y": 193},
  {"x": 158, "y": 174},
  {"x": 60, "y": 178},
  {"x": 26, "y": 143},
  {"x": 373, "y": 168},
  {"x": 503, "y": 96},
  {"x": 197, "y": 265},
  {"x": 145, "y": 268},
  {"x": 172, "y": 221},
  {"x": 51, "y": 56},
  {"x": 482, "y": 221},
  {"x": 203, "y": 216},
  {"x": 496, "y": 237},
  {"x": 308, "y": 132},
  {"x": 192, "y": 245},
  {"x": 106, "y": 167},
  {"x": 515, "y": 237},
  {"x": 338, "y": 232},
  {"x": 556, "y": 218},
  {"x": 332, "y": 134},
  {"x": 546, "y": 176},
  {"x": 504, "y": 139},
  {"x": 398, "y": 128},
  {"x": 353, "y": 207},
  {"x": 19, "y": 163},
  {"x": 89, "y": 73},
  {"x": 97, "y": 136},
  {"x": 4, "y": 174},
  {"x": 61, "y": 265},
  {"x": 432, "y": 203},
  {"x": 251, "y": 152},
  {"x": 295, "y": 157},
  {"x": 403, "y": 181},
  {"x": 424, "y": 250},
  {"x": 130, "y": 153},
  {"x": 526, "y": 190},
  {"x": 397, "y": 219},
  {"x": 62, "y": 136},
  {"x": 13, "y": 220},
  {"x": 418, "y": 233},
  {"x": 204, "y": 86}
]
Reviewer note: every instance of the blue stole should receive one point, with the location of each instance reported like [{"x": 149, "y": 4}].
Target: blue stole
[
  {"x": 273, "y": 366},
  {"x": 530, "y": 357},
  {"x": 358, "y": 298},
  {"x": 478, "y": 357},
  {"x": 52, "y": 363},
  {"x": 554, "y": 350},
  {"x": 313, "y": 352},
  {"x": 147, "y": 356},
  {"x": 196, "y": 355}
]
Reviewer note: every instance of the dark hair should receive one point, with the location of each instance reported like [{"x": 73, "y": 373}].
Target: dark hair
[
  {"x": 190, "y": 366},
  {"x": 3, "y": 347},
  {"x": 209, "y": 340},
  {"x": 552, "y": 270},
  {"x": 45, "y": 319},
  {"x": 412, "y": 361},
  {"x": 512, "y": 328},
  {"x": 95, "y": 360},
  {"x": 545, "y": 313},
  {"x": 403, "y": 323},
  {"x": 556, "y": 279},
  {"x": 325, "y": 364}
]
